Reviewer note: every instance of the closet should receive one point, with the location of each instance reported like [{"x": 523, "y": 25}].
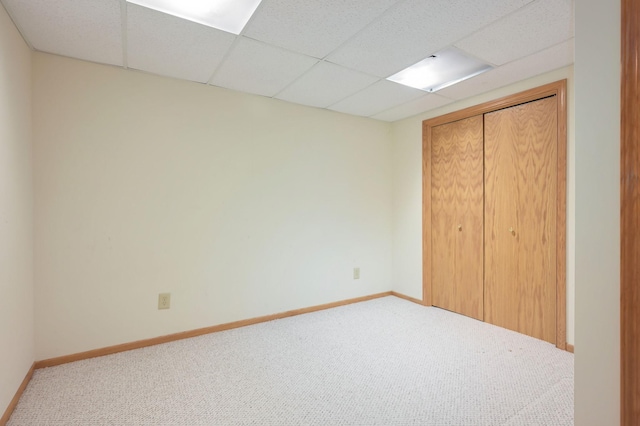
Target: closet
[{"x": 494, "y": 206}]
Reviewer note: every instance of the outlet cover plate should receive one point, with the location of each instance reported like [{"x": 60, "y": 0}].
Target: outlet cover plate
[{"x": 164, "y": 300}]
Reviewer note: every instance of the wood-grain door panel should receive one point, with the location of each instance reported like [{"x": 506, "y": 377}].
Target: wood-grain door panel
[
  {"x": 520, "y": 218},
  {"x": 457, "y": 216}
]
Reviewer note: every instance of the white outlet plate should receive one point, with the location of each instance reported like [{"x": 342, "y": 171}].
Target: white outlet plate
[
  {"x": 356, "y": 273},
  {"x": 164, "y": 300}
]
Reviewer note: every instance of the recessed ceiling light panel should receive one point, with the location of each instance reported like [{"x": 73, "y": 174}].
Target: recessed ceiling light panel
[
  {"x": 225, "y": 15},
  {"x": 440, "y": 70}
]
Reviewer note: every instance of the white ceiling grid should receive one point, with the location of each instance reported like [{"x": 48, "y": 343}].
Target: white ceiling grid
[
  {"x": 166, "y": 45},
  {"x": 377, "y": 98},
  {"x": 262, "y": 69},
  {"x": 336, "y": 82},
  {"x": 331, "y": 54},
  {"x": 531, "y": 29},
  {"x": 314, "y": 28},
  {"x": 558, "y": 56},
  {"x": 416, "y": 29}
]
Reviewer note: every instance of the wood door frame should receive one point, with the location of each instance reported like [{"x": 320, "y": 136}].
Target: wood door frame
[
  {"x": 558, "y": 89},
  {"x": 629, "y": 214}
]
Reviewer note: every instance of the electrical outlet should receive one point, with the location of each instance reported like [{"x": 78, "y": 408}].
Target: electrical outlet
[
  {"x": 356, "y": 273},
  {"x": 164, "y": 300}
]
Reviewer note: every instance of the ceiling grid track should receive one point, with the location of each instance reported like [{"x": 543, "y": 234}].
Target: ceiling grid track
[
  {"x": 234, "y": 44},
  {"x": 353, "y": 36}
]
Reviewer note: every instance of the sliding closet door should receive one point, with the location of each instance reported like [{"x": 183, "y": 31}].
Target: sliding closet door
[
  {"x": 457, "y": 223},
  {"x": 520, "y": 218}
]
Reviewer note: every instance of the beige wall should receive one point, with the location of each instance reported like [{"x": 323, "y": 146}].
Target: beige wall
[
  {"x": 407, "y": 189},
  {"x": 16, "y": 212},
  {"x": 597, "y": 366},
  {"x": 238, "y": 205}
]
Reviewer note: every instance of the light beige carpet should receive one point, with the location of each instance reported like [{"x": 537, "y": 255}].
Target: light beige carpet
[{"x": 382, "y": 362}]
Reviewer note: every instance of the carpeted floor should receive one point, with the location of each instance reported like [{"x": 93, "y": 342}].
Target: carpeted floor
[{"x": 382, "y": 362}]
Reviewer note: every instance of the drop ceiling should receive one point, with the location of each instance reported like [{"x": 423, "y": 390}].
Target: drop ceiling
[{"x": 333, "y": 54}]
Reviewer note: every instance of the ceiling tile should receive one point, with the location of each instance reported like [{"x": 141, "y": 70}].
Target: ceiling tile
[
  {"x": 325, "y": 84},
  {"x": 166, "y": 45},
  {"x": 417, "y": 106},
  {"x": 84, "y": 29},
  {"x": 416, "y": 29},
  {"x": 377, "y": 98},
  {"x": 259, "y": 68},
  {"x": 550, "y": 59},
  {"x": 314, "y": 28},
  {"x": 533, "y": 28}
]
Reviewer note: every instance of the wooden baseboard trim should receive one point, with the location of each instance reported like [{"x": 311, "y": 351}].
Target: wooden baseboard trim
[
  {"x": 569, "y": 347},
  {"x": 198, "y": 332},
  {"x": 12, "y": 405},
  {"x": 409, "y": 298}
]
